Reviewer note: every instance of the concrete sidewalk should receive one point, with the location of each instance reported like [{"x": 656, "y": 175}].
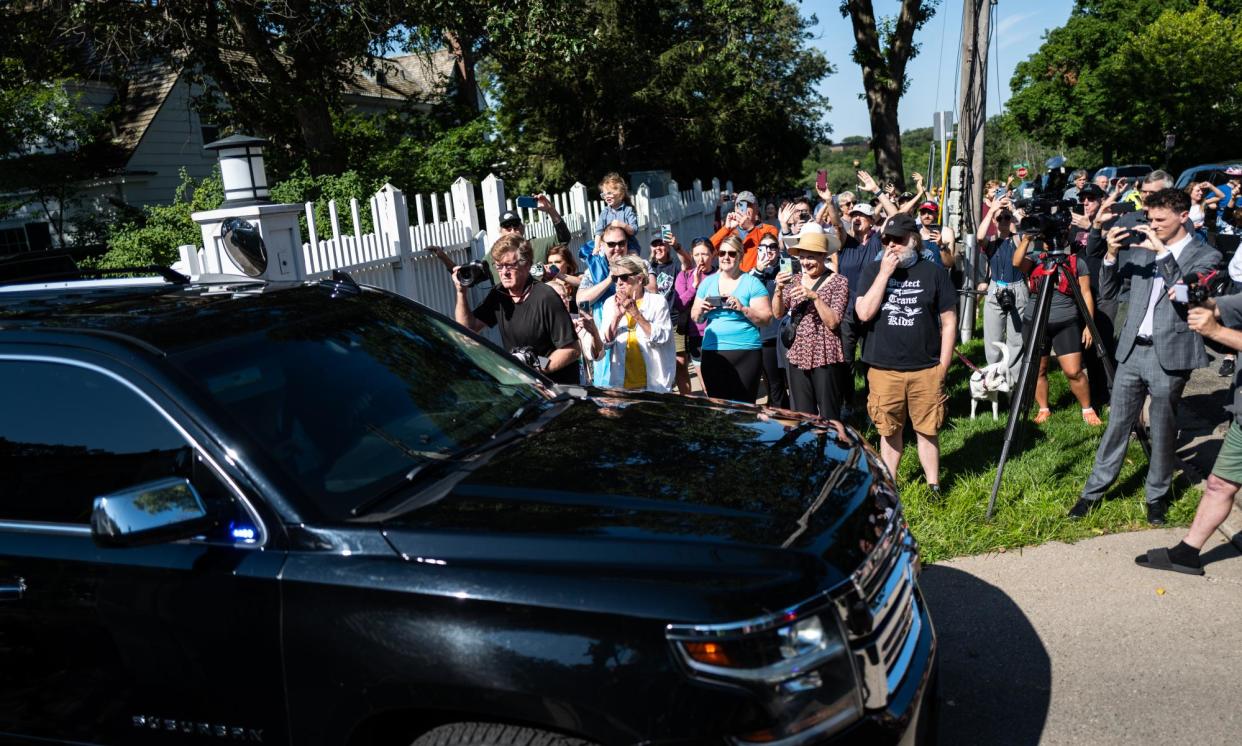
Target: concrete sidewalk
[{"x": 1075, "y": 644}]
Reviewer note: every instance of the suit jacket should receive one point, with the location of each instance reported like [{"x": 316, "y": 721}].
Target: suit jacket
[{"x": 1177, "y": 347}]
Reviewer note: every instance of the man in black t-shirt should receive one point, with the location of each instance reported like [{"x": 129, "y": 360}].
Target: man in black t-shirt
[
  {"x": 910, "y": 311},
  {"x": 530, "y": 314}
]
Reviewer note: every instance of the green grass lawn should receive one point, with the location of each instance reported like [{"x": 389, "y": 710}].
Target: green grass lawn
[{"x": 1042, "y": 479}]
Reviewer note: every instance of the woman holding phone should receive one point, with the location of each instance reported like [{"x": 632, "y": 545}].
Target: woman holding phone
[
  {"x": 816, "y": 298},
  {"x": 734, "y": 305}
]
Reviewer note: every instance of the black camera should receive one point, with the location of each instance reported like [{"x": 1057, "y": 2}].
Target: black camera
[
  {"x": 540, "y": 272},
  {"x": 528, "y": 357},
  {"x": 1203, "y": 285},
  {"x": 473, "y": 274},
  {"x": 1006, "y": 300}
]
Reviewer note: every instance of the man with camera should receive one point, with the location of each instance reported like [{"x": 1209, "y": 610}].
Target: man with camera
[
  {"x": 1220, "y": 320},
  {"x": 1156, "y": 350},
  {"x": 532, "y": 318}
]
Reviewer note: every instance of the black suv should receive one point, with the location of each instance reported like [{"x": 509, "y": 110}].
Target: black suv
[{"x": 238, "y": 511}]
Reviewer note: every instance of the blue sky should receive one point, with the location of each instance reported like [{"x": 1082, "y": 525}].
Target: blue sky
[{"x": 1019, "y": 30}]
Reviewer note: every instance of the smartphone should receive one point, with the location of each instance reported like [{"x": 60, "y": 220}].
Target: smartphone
[
  {"x": 821, "y": 179},
  {"x": 527, "y": 201},
  {"x": 787, "y": 265},
  {"x": 1001, "y": 192},
  {"x": 934, "y": 227},
  {"x": 1181, "y": 293},
  {"x": 666, "y": 231},
  {"x": 716, "y": 301},
  {"x": 1077, "y": 209}
]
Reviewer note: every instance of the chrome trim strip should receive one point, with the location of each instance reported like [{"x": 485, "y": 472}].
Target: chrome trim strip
[
  {"x": 39, "y": 527},
  {"x": 199, "y": 450},
  {"x": 763, "y": 623},
  {"x": 897, "y": 671}
]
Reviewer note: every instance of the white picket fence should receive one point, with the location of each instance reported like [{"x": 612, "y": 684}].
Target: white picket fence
[{"x": 395, "y": 254}]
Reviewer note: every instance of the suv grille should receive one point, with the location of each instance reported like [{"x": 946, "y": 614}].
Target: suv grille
[{"x": 884, "y": 618}]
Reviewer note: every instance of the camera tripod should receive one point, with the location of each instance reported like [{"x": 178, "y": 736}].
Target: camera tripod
[{"x": 1057, "y": 263}]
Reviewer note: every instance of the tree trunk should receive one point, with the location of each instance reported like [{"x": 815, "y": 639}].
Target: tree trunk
[
  {"x": 884, "y": 77},
  {"x": 886, "y": 136},
  {"x": 467, "y": 83}
]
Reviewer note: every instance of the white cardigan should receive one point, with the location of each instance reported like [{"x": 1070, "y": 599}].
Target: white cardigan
[{"x": 658, "y": 350}]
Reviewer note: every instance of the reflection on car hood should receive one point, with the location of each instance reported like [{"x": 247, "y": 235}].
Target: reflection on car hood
[{"x": 649, "y": 481}]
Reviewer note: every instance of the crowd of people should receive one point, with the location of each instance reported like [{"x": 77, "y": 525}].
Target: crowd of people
[{"x": 791, "y": 299}]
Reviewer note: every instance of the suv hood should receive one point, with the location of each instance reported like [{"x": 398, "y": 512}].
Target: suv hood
[{"x": 662, "y": 481}]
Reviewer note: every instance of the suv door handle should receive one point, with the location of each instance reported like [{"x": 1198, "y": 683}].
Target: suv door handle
[{"x": 12, "y": 589}]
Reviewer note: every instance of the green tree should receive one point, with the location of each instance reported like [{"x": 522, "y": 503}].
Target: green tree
[
  {"x": 715, "y": 87},
  {"x": 1093, "y": 87}
]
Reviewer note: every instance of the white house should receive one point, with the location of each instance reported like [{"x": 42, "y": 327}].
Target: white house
[{"x": 157, "y": 133}]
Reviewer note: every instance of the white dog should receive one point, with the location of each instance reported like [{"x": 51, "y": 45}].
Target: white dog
[{"x": 987, "y": 383}]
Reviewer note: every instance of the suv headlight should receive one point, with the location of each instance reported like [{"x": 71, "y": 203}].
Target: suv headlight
[{"x": 795, "y": 661}]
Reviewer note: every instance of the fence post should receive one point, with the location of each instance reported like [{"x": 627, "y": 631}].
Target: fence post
[
  {"x": 493, "y": 206},
  {"x": 395, "y": 218},
  {"x": 697, "y": 186},
  {"x": 578, "y": 204},
  {"x": 729, "y": 186},
  {"x": 715, "y": 187},
  {"x": 464, "y": 208}
]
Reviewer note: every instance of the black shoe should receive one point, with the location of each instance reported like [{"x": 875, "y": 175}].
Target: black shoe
[
  {"x": 1226, "y": 367},
  {"x": 1156, "y": 512},
  {"x": 1082, "y": 508}
]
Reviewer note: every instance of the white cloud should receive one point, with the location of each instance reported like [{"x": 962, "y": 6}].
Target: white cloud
[{"x": 1009, "y": 22}]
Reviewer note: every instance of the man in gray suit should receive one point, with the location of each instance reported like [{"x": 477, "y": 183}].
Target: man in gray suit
[{"x": 1156, "y": 350}]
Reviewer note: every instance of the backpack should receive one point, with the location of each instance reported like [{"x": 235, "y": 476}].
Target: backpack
[{"x": 1062, "y": 281}]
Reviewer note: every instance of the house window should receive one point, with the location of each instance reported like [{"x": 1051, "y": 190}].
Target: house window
[{"x": 13, "y": 240}]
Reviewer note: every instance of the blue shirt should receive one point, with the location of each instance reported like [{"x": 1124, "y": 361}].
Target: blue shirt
[
  {"x": 1000, "y": 260},
  {"x": 728, "y": 329}
]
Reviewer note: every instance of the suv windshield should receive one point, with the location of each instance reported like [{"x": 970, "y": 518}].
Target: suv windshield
[{"x": 348, "y": 398}]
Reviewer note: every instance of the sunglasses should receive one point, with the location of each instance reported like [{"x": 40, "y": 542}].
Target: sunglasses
[
  {"x": 510, "y": 267},
  {"x": 729, "y": 252},
  {"x": 893, "y": 240},
  {"x": 615, "y": 244},
  {"x": 626, "y": 276},
  {"x": 767, "y": 247}
]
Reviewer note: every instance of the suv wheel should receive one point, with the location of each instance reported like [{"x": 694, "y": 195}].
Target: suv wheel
[{"x": 493, "y": 734}]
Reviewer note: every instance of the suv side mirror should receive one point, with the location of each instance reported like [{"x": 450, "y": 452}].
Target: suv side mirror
[{"x": 152, "y": 513}]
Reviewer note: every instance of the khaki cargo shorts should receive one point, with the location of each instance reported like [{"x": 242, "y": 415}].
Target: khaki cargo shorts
[{"x": 897, "y": 394}]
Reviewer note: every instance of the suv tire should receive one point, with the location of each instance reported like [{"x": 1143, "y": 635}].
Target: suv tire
[{"x": 493, "y": 734}]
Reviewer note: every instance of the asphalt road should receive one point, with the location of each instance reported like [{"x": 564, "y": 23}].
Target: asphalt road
[{"x": 1075, "y": 644}]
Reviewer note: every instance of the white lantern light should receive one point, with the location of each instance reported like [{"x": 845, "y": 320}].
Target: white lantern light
[{"x": 241, "y": 169}]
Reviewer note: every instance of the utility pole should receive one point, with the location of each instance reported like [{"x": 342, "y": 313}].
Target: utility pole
[{"x": 972, "y": 117}]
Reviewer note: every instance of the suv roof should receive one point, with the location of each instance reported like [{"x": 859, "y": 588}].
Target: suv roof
[{"x": 159, "y": 314}]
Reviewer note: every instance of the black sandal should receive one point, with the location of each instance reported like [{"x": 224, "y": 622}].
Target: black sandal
[{"x": 1158, "y": 559}]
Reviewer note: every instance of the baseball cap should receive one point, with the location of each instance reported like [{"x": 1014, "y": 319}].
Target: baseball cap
[
  {"x": 1092, "y": 191},
  {"x": 900, "y": 226},
  {"x": 862, "y": 208},
  {"x": 1233, "y": 171},
  {"x": 510, "y": 217},
  {"x": 748, "y": 198},
  {"x": 929, "y": 205}
]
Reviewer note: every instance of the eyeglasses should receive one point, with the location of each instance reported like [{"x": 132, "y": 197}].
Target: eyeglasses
[
  {"x": 889, "y": 240},
  {"x": 729, "y": 252},
  {"x": 626, "y": 276},
  {"x": 846, "y": 204},
  {"x": 510, "y": 267},
  {"x": 767, "y": 247},
  {"x": 615, "y": 244}
]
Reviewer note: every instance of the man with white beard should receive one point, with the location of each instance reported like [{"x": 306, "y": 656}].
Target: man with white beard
[{"x": 909, "y": 308}]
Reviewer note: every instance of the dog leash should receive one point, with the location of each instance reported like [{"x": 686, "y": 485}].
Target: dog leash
[{"x": 967, "y": 362}]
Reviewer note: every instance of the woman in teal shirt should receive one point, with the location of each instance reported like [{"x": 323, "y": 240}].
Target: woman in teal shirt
[{"x": 735, "y": 305}]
